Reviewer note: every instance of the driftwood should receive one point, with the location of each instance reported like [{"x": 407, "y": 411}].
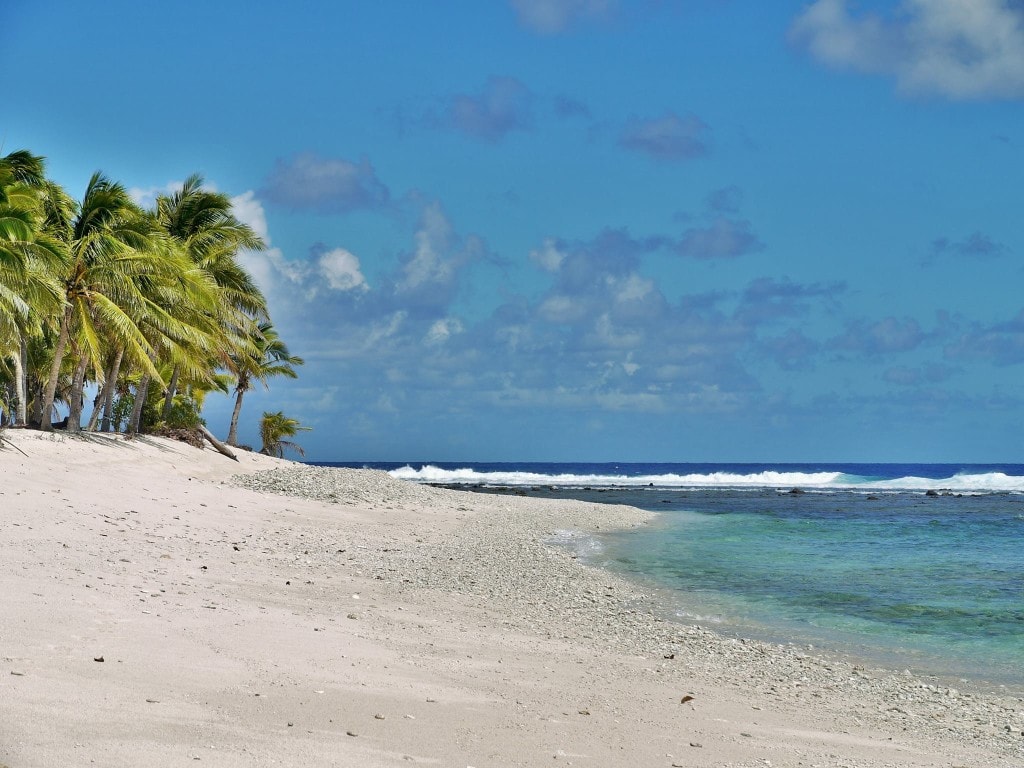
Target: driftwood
[
  {"x": 5, "y": 441},
  {"x": 221, "y": 448}
]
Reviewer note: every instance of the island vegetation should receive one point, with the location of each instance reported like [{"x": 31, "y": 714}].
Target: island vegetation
[{"x": 144, "y": 310}]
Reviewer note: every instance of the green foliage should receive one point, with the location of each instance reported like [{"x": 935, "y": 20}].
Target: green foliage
[
  {"x": 183, "y": 414},
  {"x": 274, "y": 427},
  {"x": 99, "y": 292},
  {"x": 122, "y": 411}
]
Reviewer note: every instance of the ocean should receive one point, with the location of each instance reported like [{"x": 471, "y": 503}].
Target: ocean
[{"x": 917, "y": 566}]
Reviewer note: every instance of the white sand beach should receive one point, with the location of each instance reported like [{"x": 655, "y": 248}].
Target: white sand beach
[{"x": 158, "y": 612}]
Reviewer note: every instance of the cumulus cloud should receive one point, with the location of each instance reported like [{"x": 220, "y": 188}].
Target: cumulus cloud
[
  {"x": 427, "y": 263},
  {"x": 767, "y": 299},
  {"x": 999, "y": 343},
  {"x": 549, "y": 17},
  {"x": 958, "y": 49},
  {"x": 915, "y": 376},
  {"x": 667, "y": 138},
  {"x": 566, "y": 107},
  {"x": 309, "y": 182},
  {"x": 725, "y": 200},
  {"x": 442, "y": 330},
  {"x": 146, "y": 196},
  {"x": 724, "y": 238},
  {"x": 503, "y": 105},
  {"x": 269, "y": 267},
  {"x": 977, "y": 245},
  {"x": 283, "y": 279},
  {"x": 249, "y": 210},
  {"x": 549, "y": 256},
  {"x": 889, "y": 335},
  {"x": 341, "y": 269},
  {"x": 792, "y": 350}
]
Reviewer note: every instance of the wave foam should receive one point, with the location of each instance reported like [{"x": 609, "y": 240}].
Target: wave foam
[{"x": 992, "y": 482}]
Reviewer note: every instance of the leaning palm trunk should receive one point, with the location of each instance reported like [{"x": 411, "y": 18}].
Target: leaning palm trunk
[
  {"x": 105, "y": 397},
  {"x": 77, "y": 395},
  {"x": 140, "y": 400},
  {"x": 51, "y": 383},
  {"x": 172, "y": 387},
  {"x": 233, "y": 431},
  {"x": 94, "y": 416}
]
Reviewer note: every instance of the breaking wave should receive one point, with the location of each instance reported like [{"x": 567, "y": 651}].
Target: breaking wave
[{"x": 988, "y": 482}]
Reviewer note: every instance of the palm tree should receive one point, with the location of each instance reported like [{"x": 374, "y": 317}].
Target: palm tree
[
  {"x": 201, "y": 223},
  {"x": 269, "y": 356},
  {"x": 114, "y": 250},
  {"x": 30, "y": 260},
  {"x": 274, "y": 427}
]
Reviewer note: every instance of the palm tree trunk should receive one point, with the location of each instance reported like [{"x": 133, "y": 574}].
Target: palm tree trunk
[
  {"x": 109, "y": 386},
  {"x": 171, "y": 389},
  {"x": 51, "y": 382},
  {"x": 35, "y": 418},
  {"x": 233, "y": 430},
  {"x": 21, "y": 384},
  {"x": 97, "y": 402},
  {"x": 77, "y": 395},
  {"x": 140, "y": 400}
]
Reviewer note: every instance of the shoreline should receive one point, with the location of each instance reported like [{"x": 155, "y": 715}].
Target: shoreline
[
  {"x": 675, "y": 604},
  {"x": 271, "y": 618}
]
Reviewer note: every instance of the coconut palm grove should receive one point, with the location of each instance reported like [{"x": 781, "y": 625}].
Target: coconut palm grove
[{"x": 120, "y": 318}]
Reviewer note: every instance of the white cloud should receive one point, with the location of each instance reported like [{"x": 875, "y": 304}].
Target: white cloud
[
  {"x": 562, "y": 309},
  {"x": 325, "y": 184},
  {"x": 340, "y": 268},
  {"x": 548, "y": 256},
  {"x": 269, "y": 266},
  {"x": 385, "y": 329},
  {"x": 443, "y": 329},
  {"x": 146, "y": 197},
  {"x": 549, "y": 17},
  {"x": 632, "y": 288},
  {"x": 956, "y": 48},
  {"x": 249, "y": 210},
  {"x": 427, "y": 264}
]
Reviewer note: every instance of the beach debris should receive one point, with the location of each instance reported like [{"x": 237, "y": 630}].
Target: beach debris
[
  {"x": 584, "y": 711},
  {"x": 352, "y": 616},
  {"x": 669, "y": 656},
  {"x": 17, "y": 674},
  {"x": 99, "y": 659},
  {"x": 696, "y": 744},
  {"x": 379, "y": 716},
  {"x": 686, "y": 698},
  {"x": 351, "y": 733}
]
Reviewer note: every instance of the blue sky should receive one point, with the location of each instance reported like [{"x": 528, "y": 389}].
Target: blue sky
[{"x": 675, "y": 230}]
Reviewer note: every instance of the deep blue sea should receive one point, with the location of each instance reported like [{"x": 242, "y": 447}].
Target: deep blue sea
[{"x": 911, "y": 565}]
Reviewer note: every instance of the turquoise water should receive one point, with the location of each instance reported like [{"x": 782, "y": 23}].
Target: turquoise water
[
  {"x": 933, "y": 583},
  {"x": 918, "y": 566}
]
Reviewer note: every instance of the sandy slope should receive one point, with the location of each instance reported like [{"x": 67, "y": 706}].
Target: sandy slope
[{"x": 380, "y": 624}]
